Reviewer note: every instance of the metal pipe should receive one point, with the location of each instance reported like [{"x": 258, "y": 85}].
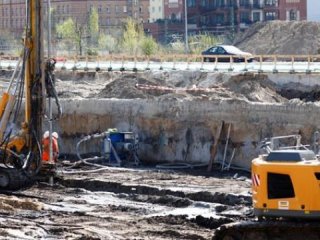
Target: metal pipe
[
  {"x": 13, "y": 75},
  {"x": 50, "y": 99},
  {"x": 186, "y": 26}
]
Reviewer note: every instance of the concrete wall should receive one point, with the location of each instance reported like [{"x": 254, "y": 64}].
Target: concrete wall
[{"x": 185, "y": 130}]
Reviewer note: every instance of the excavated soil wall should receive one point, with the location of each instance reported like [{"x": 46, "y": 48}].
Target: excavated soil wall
[
  {"x": 185, "y": 130},
  {"x": 179, "y": 121}
]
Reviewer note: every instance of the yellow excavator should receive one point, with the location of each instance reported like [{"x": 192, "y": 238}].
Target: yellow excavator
[
  {"x": 285, "y": 194},
  {"x": 29, "y": 86}
]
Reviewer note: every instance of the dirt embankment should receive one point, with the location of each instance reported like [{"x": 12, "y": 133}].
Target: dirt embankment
[
  {"x": 173, "y": 85},
  {"x": 181, "y": 85},
  {"x": 280, "y": 37}
]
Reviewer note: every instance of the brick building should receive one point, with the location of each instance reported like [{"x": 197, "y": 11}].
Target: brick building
[
  {"x": 174, "y": 10},
  {"x": 218, "y": 16},
  {"x": 156, "y": 10},
  {"x": 111, "y": 12}
]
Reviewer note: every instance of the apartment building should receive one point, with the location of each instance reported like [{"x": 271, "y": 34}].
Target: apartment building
[
  {"x": 156, "y": 10},
  {"x": 112, "y": 13},
  {"x": 218, "y": 16},
  {"x": 174, "y": 10}
]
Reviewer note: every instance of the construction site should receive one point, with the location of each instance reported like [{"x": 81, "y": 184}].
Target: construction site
[{"x": 158, "y": 154}]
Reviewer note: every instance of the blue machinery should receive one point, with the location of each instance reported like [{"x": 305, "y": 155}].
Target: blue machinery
[{"x": 117, "y": 147}]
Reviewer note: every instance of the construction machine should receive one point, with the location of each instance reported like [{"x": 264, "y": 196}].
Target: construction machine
[
  {"x": 20, "y": 134},
  {"x": 285, "y": 194}
]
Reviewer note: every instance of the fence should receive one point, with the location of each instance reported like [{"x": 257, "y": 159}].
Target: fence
[{"x": 258, "y": 63}]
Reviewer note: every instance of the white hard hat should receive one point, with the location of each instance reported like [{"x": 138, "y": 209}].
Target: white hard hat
[
  {"x": 46, "y": 134},
  {"x": 55, "y": 135}
]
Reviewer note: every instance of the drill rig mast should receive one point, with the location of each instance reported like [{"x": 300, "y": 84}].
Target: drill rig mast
[{"x": 20, "y": 143}]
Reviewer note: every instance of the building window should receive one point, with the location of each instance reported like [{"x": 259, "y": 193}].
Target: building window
[
  {"x": 256, "y": 17},
  {"x": 244, "y": 17},
  {"x": 293, "y": 15},
  {"x": 271, "y": 2},
  {"x": 218, "y": 19},
  {"x": 244, "y": 3},
  {"x": 191, "y": 3},
  {"x": 270, "y": 16},
  {"x": 219, "y": 3}
]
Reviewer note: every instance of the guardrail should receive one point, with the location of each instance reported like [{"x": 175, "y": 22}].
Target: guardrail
[{"x": 219, "y": 63}]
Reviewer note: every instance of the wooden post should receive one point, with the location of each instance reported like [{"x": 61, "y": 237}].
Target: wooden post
[{"x": 215, "y": 146}]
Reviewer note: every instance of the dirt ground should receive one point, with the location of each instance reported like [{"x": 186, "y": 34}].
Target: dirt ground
[
  {"x": 178, "y": 85},
  {"x": 145, "y": 203},
  {"x": 120, "y": 203},
  {"x": 197, "y": 85}
]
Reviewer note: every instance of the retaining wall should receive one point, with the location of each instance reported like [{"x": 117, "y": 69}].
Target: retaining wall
[{"x": 185, "y": 130}]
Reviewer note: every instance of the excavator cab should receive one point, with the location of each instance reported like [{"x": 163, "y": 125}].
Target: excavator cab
[
  {"x": 285, "y": 195},
  {"x": 285, "y": 183}
]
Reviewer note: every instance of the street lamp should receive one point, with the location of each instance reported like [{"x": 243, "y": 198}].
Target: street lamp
[{"x": 186, "y": 26}]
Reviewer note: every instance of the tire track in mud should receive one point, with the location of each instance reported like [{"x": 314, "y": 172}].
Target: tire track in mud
[{"x": 116, "y": 187}]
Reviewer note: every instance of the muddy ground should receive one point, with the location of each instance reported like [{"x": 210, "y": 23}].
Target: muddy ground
[
  {"x": 145, "y": 203},
  {"x": 120, "y": 203}
]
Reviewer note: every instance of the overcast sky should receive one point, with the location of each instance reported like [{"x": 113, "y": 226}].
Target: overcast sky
[{"x": 313, "y": 10}]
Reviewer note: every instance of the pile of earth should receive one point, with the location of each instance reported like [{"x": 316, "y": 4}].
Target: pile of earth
[
  {"x": 281, "y": 37},
  {"x": 196, "y": 85}
]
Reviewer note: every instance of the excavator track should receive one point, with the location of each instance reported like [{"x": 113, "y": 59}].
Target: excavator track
[
  {"x": 13, "y": 179},
  {"x": 269, "y": 230}
]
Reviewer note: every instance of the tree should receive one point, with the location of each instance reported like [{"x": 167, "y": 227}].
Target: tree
[
  {"x": 131, "y": 36},
  {"x": 93, "y": 27},
  {"x": 73, "y": 32},
  {"x": 148, "y": 46},
  {"x": 107, "y": 43}
]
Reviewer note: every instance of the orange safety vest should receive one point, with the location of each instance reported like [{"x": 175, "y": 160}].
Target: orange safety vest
[{"x": 46, "y": 149}]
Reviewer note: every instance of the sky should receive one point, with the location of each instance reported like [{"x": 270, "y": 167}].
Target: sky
[{"x": 313, "y": 10}]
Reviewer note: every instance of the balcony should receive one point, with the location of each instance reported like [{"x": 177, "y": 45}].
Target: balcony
[
  {"x": 212, "y": 7},
  {"x": 215, "y": 7},
  {"x": 258, "y": 6},
  {"x": 245, "y": 6}
]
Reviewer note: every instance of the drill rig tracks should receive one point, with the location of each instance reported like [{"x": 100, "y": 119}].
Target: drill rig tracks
[{"x": 269, "y": 230}]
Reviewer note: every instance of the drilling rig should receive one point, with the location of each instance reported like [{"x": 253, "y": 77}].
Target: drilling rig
[{"x": 22, "y": 106}]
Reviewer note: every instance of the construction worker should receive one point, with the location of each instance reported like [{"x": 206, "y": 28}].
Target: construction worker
[{"x": 46, "y": 147}]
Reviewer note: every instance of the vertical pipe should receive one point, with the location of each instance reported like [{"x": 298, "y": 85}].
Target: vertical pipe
[
  {"x": 50, "y": 100},
  {"x": 186, "y": 26}
]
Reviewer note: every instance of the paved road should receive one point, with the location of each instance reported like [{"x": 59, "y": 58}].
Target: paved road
[{"x": 286, "y": 67}]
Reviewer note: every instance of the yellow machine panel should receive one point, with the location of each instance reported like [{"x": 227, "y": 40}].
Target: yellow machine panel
[{"x": 286, "y": 183}]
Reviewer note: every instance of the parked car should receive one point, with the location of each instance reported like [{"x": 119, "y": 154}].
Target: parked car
[{"x": 226, "y": 51}]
